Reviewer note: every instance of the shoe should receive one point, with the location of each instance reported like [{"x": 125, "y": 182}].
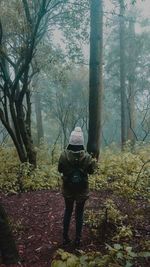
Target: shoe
[{"x": 66, "y": 241}]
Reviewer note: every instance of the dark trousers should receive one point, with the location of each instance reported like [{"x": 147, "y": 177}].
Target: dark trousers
[{"x": 79, "y": 209}]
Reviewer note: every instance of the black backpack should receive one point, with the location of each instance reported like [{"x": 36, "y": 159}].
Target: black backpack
[{"x": 76, "y": 179}]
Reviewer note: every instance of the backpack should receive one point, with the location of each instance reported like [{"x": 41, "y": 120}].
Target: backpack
[{"x": 76, "y": 179}]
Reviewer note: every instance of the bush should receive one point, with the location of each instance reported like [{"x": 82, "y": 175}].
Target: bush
[
  {"x": 16, "y": 176},
  {"x": 117, "y": 255},
  {"x": 124, "y": 172}
]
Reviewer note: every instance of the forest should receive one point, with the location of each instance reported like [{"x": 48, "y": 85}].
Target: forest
[{"x": 66, "y": 64}]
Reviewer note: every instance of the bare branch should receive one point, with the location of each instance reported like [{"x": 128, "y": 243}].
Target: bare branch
[
  {"x": 8, "y": 59},
  {"x": 27, "y": 12},
  {"x": 138, "y": 176}
]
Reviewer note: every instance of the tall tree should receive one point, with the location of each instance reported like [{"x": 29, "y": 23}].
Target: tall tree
[
  {"x": 131, "y": 83},
  {"x": 16, "y": 54},
  {"x": 122, "y": 74},
  {"x": 38, "y": 112},
  {"x": 95, "y": 77}
]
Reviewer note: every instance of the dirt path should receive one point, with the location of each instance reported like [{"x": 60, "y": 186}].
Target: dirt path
[{"x": 36, "y": 219}]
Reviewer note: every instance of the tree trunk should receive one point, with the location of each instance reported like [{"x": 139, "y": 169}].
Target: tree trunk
[
  {"x": 38, "y": 112},
  {"x": 20, "y": 151},
  {"x": 7, "y": 245},
  {"x": 95, "y": 78},
  {"x": 122, "y": 75},
  {"x": 131, "y": 82},
  {"x": 26, "y": 135},
  {"x": 20, "y": 128}
]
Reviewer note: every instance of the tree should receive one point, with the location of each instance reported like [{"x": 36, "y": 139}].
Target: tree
[
  {"x": 95, "y": 79},
  {"x": 142, "y": 85},
  {"x": 16, "y": 54},
  {"x": 123, "y": 75},
  {"x": 66, "y": 99},
  {"x": 38, "y": 111},
  {"x": 131, "y": 83},
  {"x": 16, "y": 75}
]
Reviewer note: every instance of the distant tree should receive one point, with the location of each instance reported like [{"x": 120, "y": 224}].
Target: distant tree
[
  {"x": 38, "y": 112},
  {"x": 38, "y": 109},
  {"x": 131, "y": 63},
  {"x": 123, "y": 74},
  {"x": 142, "y": 85},
  {"x": 96, "y": 77},
  {"x": 66, "y": 100},
  {"x": 138, "y": 93}
]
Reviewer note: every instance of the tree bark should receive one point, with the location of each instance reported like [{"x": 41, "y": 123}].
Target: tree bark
[
  {"x": 38, "y": 112},
  {"x": 131, "y": 84},
  {"x": 95, "y": 78},
  {"x": 20, "y": 152},
  {"x": 122, "y": 75},
  {"x": 26, "y": 137}
]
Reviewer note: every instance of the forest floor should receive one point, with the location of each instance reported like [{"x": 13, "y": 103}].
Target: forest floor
[{"x": 36, "y": 219}]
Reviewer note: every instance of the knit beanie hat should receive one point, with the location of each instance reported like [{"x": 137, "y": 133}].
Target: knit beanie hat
[{"x": 76, "y": 137}]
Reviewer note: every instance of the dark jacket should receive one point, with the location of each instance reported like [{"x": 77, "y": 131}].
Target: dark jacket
[{"x": 66, "y": 165}]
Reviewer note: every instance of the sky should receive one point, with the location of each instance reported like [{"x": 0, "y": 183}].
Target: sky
[{"x": 144, "y": 7}]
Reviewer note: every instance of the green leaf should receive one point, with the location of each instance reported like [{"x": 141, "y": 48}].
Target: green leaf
[
  {"x": 58, "y": 263},
  {"x": 72, "y": 261},
  {"x": 64, "y": 255},
  {"x": 117, "y": 246},
  {"x": 128, "y": 249},
  {"x": 128, "y": 264},
  {"x": 145, "y": 254},
  {"x": 119, "y": 255},
  {"x": 83, "y": 259},
  {"x": 91, "y": 264},
  {"x": 133, "y": 254}
]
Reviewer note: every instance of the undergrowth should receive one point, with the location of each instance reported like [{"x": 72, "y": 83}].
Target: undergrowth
[{"x": 127, "y": 173}]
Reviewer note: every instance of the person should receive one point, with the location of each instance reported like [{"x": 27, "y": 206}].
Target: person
[{"x": 75, "y": 158}]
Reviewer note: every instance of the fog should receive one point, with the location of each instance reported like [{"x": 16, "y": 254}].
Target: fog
[{"x": 61, "y": 64}]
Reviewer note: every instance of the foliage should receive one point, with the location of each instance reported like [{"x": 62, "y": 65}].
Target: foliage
[
  {"x": 15, "y": 177},
  {"x": 8, "y": 169},
  {"x": 24, "y": 27},
  {"x": 106, "y": 218},
  {"x": 117, "y": 256},
  {"x": 119, "y": 171},
  {"x": 67, "y": 259},
  {"x": 28, "y": 23}
]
